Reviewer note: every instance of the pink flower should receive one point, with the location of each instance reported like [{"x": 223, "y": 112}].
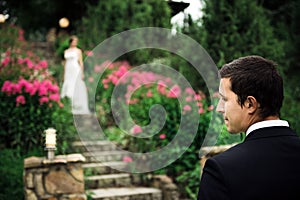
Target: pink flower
[
  {"x": 188, "y": 99},
  {"x": 201, "y": 110},
  {"x": 127, "y": 159},
  {"x": 89, "y": 53},
  {"x": 43, "y": 64},
  {"x": 120, "y": 72},
  {"x": 22, "y": 82},
  {"x": 20, "y": 60},
  {"x": 54, "y": 88},
  {"x": 17, "y": 88},
  {"x": 130, "y": 88},
  {"x": 20, "y": 100},
  {"x": 97, "y": 68},
  {"x": 162, "y": 136},
  {"x": 210, "y": 108},
  {"x": 47, "y": 83},
  {"x": 54, "y": 97},
  {"x": 42, "y": 90},
  {"x": 198, "y": 97},
  {"x": 43, "y": 100},
  {"x": 200, "y": 104},
  {"x": 32, "y": 90},
  {"x": 135, "y": 81},
  {"x": 187, "y": 108},
  {"x": 174, "y": 92},
  {"x": 104, "y": 81},
  {"x": 150, "y": 77},
  {"x": 29, "y": 63},
  {"x": 91, "y": 79},
  {"x": 114, "y": 80},
  {"x": 137, "y": 129},
  {"x": 149, "y": 93},
  {"x": 7, "y": 87},
  {"x": 5, "y": 61},
  {"x": 29, "y": 87},
  {"x": 132, "y": 101},
  {"x": 189, "y": 91},
  {"x": 161, "y": 87}
]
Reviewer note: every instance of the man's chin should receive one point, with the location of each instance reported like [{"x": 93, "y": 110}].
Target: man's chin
[{"x": 232, "y": 131}]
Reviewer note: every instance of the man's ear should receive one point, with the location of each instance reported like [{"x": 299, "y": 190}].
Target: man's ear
[{"x": 251, "y": 104}]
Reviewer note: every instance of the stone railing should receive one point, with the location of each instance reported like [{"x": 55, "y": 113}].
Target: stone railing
[
  {"x": 58, "y": 179},
  {"x": 211, "y": 151}
]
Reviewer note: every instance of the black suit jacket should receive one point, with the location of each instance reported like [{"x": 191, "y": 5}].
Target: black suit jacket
[{"x": 266, "y": 166}]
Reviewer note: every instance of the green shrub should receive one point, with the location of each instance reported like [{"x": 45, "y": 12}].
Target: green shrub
[{"x": 11, "y": 167}]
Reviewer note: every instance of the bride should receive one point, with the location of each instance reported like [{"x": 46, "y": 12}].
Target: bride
[{"x": 73, "y": 85}]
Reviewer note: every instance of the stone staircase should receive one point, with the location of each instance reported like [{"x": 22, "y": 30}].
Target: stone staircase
[
  {"x": 104, "y": 182},
  {"x": 102, "y": 179}
]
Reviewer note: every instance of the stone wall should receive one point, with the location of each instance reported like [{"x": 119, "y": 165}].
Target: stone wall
[{"x": 58, "y": 179}]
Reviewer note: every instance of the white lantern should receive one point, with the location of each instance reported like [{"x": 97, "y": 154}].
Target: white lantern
[
  {"x": 50, "y": 142},
  {"x": 64, "y": 22},
  {"x": 3, "y": 18}
]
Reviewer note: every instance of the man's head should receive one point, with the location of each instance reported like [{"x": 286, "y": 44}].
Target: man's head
[{"x": 255, "y": 86}]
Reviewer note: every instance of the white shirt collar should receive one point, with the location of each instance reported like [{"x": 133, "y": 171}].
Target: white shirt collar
[{"x": 267, "y": 123}]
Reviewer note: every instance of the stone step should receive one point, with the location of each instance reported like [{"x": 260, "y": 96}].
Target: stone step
[
  {"x": 87, "y": 123},
  {"x": 104, "y": 156},
  {"x": 115, "y": 180},
  {"x": 103, "y": 168},
  {"x": 84, "y": 146},
  {"x": 125, "y": 193},
  {"x": 112, "y": 180}
]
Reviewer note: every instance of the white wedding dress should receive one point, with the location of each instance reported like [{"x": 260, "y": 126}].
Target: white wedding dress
[{"x": 73, "y": 85}]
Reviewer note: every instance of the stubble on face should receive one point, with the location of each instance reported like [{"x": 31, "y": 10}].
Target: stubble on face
[{"x": 234, "y": 114}]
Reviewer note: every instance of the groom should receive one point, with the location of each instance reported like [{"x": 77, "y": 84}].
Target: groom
[{"x": 266, "y": 166}]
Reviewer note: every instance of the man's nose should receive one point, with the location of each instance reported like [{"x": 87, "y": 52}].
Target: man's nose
[{"x": 220, "y": 106}]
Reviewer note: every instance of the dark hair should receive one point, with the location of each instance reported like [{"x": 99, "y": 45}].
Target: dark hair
[
  {"x": 256, "y": 76},
  {"x": 73, "y": 37}
]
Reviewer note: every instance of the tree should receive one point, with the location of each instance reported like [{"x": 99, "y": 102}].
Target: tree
[
  {"x": 238, "y": 28},
  {"x": 235, "y": 28},
  {"x": 108, "y": 18}
]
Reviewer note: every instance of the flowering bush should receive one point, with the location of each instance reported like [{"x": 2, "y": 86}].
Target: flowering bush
[
  {"x": 138, "y": 91},
  {"x": 30, "y": 100}
]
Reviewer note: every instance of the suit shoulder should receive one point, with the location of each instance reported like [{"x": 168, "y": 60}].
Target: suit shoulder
[{"x": 231, "y": 154}]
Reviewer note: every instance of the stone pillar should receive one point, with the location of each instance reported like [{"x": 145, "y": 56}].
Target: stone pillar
[
  {"x": 58, "y": 179},
  {"x": 169, "y": 189}
]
